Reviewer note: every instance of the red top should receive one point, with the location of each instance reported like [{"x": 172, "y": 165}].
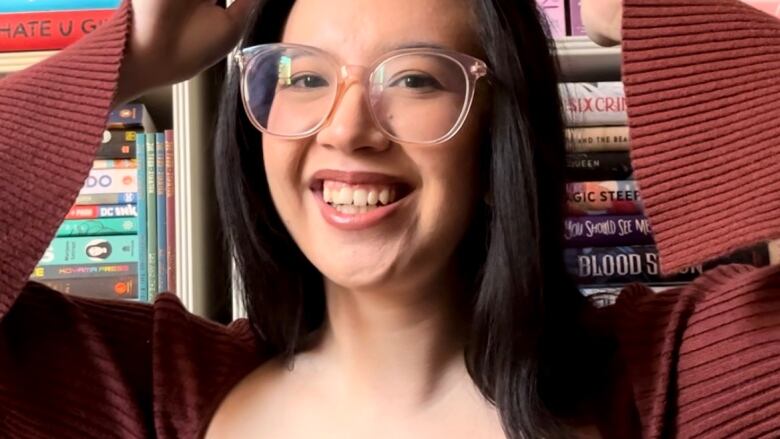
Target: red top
[{"x": 702, "y": 88}]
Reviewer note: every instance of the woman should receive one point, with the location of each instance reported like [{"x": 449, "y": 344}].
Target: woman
[{"x": 464, "y": 324}]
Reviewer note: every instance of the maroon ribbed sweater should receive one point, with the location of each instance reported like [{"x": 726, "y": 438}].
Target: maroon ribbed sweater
[{"x": 703, "y": 85}]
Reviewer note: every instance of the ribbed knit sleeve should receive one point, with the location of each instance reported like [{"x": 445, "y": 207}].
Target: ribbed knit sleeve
[
  {"x": 52, "y": 116},
  {"x": 703, "y": 92}
]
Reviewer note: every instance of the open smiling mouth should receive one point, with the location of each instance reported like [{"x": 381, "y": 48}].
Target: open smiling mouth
[{"x": 353, "y": 199}]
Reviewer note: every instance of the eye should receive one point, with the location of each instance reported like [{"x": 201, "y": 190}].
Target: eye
[
  {"x": 416, "y": 81},
  {"x": 308, "y": 80}
]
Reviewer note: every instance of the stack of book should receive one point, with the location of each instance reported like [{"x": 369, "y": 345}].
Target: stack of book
[
  {"x": 113, "y": 242},
  {"x": 31, "y": 25},
  {"x": 609, "y": 240}
]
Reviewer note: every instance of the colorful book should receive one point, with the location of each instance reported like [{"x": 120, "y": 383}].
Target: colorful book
[
  {"x": 162, "y": 232},
  {"x": 116, "y": 287},
  {"x": 595, "y": 139},
  {"x": 617, "y": 197},
  {"x": 115, "y": 164},
  {"x": 576, "y": 28},
  {"x": 589, "y": 166},
  {"x": 102, "y": 211},
  {"x": 7, "y": 6},
  {"x": 143, "y": 244},
  {"x": 170, "y": 212},
  {"x": 121, "y": 198},
  {"x": 151, "y": 215},
  {"x": 110, "y": 181},
  {"x": 132, "y": 115},
  {"x": 607, "y": 295},
  {"x": 118, "y": 249},
  {"x": 607, "y": 231},
  {"x": 594, "y": 103},
  {"x": 98, "y": 227},
  {"x": 52, "y": 272},
  {"x": 30, "y": 31},
  {"x": 618, "y": 265},
  {"x": 555, "y": 12},
  {"x": 117, "y": 144}
]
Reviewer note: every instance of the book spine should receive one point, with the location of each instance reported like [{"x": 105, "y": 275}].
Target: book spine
[
  {"x": 119, "y": 249},
  {"x": 121, "y": 198},
  {"x": 162, "y": 232},
  {"x": 151, "y": 214},
  {"x": 594, "y": 104},
  {"x": 607, "y": 231},
  {"x": 594, "y": 139},
  {"x": 170, "y": 194},
  {"x": 102, "y": 211},
  {"x": 118, "y": 144},
  {"x": 619, "y": 265},
  {"x": 127, "y": 116},
  {"x": 117, "y": 287},
  {"x": 29, "y": 31},
  {"x": 143, "y": 244},
  {"x": 606, "y": 295},
  {"x": 14, "y": 6},
  {"x": 84, "y": 270},
  {"x": 110, "y": 181},
  {"x": 584, "y": 166},
  {"x": 98, "y": 227},
  {"x": 576, "y": 28},
  {"x": 617, "y": 197},
  {"x": 115, "y": 164},
  {"x": 555, "y": 12}
]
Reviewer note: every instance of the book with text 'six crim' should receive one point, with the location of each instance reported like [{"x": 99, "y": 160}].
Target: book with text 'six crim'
[
  {"x": 11, "y": 6},
  {"x": 30, "y": 31}
]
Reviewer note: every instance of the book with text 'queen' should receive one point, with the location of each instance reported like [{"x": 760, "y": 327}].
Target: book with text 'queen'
[
  {"x": 608, "y": 165},
  {"x": 9, "y": 6},
  {"x": 31, "y": 31}
]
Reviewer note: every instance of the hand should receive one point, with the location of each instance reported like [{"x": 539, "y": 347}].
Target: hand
[
  {"x": 603, "y": 20},
  {"x": 173, "y": 40}
]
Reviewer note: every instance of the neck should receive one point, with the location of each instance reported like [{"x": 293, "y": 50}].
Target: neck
[{"x": 403, "y": 347}]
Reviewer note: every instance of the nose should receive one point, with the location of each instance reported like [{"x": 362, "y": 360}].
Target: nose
[{"x": 351, "y": 127}]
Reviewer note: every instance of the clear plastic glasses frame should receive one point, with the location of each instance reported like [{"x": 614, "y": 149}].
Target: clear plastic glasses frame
[{"x": 471, "y": 68}]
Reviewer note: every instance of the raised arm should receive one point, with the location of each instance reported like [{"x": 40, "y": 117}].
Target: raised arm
[{"x": 68, "y": 96}]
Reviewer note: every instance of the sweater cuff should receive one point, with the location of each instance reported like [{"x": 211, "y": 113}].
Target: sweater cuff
[
  {"x": 702, "y": 95},
  {"x": 53, "y": 117}
]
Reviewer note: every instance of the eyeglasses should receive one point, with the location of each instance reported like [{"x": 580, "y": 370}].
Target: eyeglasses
[{"x": 414, "y": 95}]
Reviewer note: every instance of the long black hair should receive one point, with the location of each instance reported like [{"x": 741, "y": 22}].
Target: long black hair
[{"x": 526, "y": 348}]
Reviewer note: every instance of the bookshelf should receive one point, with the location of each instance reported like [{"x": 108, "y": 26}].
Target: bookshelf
[{"x": 187, "y": 108}]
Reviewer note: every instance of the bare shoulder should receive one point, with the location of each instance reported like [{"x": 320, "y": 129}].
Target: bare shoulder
[{"x": 252, "y": 402}]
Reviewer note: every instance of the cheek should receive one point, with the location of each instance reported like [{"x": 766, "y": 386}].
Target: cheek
[{"x": 282, "y": 162}]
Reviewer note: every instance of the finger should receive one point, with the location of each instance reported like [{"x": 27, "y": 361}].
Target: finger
[{"x": 242, "y": 11}]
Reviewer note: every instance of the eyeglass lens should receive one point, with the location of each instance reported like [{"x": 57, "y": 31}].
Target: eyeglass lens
[{"x": 412, "y": 97}]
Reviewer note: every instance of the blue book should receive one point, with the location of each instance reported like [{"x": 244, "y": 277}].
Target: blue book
[
  {"x": 162, "y": 245},
  {"x": 143, "y": 274},
  {"x": 151, "y": 215},
  {"x": 7, "y": 6}
]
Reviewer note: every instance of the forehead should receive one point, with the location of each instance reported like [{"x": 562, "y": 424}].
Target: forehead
[{"x": 358, "y": 31}]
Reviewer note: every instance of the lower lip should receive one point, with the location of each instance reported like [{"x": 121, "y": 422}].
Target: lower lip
[{"x": 358, "y": 221}]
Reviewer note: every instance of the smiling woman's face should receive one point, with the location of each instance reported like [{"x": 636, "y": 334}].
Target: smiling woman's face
[{"x": 430, "y": 190}]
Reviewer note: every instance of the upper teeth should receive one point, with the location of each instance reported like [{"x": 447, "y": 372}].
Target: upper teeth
[{"x": 341, "y": 193}]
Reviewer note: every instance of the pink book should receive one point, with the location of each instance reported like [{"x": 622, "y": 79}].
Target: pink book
[
  {"x": 555, "y": 11},
  {"x": 170, "y": 212}
]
